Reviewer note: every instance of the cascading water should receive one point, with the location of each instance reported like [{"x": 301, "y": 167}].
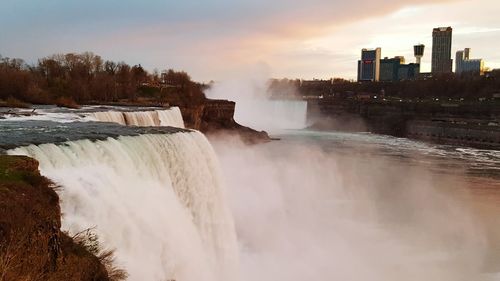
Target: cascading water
[
  {"x": 168, "y": 117},
  {"x": 124, "y": 116},
  {"x": 156, "y": 199}
]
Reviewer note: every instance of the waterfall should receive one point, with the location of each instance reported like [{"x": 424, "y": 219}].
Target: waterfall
[
  {"x": 167, "y": 117},
  {"x": 146, "y": 117},
  {"x": 157, "y": 199}
]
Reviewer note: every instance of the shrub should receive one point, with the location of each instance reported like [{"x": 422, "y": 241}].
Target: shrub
[
  {"x": 66, "y": 102},
  {"x": 90, "y": 241},
  {"x": 13, "y": 102}
]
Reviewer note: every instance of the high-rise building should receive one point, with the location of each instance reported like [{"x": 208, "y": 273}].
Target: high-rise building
[
  {"x": 464, "y": 64},
  {"x": 441, "y": 50},
  {"x": 369, "y": 65},
  {"x": 389, "y": 68},
  {"x": 418, "y": 51},
  {"x": 460, "y": 57},
  {"x": 395, "y": 69}
]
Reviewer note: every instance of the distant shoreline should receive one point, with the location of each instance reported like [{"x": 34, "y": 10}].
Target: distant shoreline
[{"x": 472, "y": 126}]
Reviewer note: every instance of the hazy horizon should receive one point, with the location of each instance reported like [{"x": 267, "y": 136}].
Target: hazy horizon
[{"x": 216, "y": 40}]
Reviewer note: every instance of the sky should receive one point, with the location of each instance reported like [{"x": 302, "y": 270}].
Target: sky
[{"x": 218, "y": 39}]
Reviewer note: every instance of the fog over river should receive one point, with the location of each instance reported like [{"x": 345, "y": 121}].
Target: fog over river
[{"x": 358, "y": 206}]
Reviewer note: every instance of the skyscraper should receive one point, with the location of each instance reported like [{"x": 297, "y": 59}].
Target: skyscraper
[
  {"x": 369, "y": 65},
  {"x": 460, "y": 57},
  {"x": 464, "y": 64},
  {"x": 441, "y": 50}
]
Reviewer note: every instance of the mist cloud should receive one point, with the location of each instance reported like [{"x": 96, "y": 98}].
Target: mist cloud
[{"x": 307, "y": 213}]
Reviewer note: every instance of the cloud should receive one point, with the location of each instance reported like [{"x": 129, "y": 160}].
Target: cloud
[{"x": 209, "y": 39}]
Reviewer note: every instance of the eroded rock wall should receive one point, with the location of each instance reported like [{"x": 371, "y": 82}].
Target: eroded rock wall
[{"x": 215, "y": 117}]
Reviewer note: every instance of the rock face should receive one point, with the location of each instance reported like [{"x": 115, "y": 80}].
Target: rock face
[
  {"x": 32, "y": 245},
  {"x": 456, "y": 134},
  {"x": 468, "y": 125},
  {"x": 212, "y": 117},
  {"x": 217, "y": 117}
]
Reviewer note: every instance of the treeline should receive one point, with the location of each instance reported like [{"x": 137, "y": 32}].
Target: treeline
[
  {"x": 73, "y": 79},
  {"x": 449, "y": 86}
]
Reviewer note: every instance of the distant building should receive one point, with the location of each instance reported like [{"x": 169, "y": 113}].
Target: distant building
[
  {"x": 369, "y": 65},
  {"x": 460, "y": 57},
  {"x": 365, "y": 96},
  {"x": 408, "y": 71},
  {"x": 389, "y": 68},
  {"x": 395, "y": 69},
  {"x": 463, "y": 63},
  {"x": 418, "y": 51},
  {"x": 164, "y": 78},
  {"x": 441, "y": 50},
  {"x": 425, "y": 75}
]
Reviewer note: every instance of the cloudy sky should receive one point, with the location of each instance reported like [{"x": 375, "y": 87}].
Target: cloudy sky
[{"x": 214, "y": 39}]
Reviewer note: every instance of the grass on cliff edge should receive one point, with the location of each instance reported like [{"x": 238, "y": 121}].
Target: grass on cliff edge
[
  {"x": 10, "y": 170},
  {"x": 29, "y": 213}
]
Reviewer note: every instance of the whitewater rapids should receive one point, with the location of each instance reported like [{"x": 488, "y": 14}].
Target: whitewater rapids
[
  {"x": 157, "y": 199},
  {"x": 167, "y": 117},
  {"x": 121, "y": 115}
]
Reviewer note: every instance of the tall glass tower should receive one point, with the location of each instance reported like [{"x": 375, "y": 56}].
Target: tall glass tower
[{"x": 441, "y": 50}]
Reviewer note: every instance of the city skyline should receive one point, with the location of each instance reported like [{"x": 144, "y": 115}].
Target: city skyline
[
  {"x": 215, "y": 40},
  {"x": 374, "y": 67}
]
